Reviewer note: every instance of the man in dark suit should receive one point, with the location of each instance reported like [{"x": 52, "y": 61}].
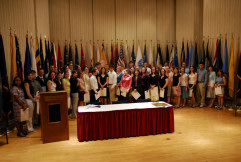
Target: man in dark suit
[{"x": 42, "y": 80}]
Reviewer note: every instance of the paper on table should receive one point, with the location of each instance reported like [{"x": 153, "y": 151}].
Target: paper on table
[
  {"x": 162, "y": 92},
  {"x": 136, "y": 95},
  {"x": 147, "y": 94},
  {"x": 118, "y": 91},
  {"x": 124, "y": 92},
  {"x": 24, "y": 114},
  {"x": 97, "y": 96},
  {"x": 102, "y": 92},
  {"x": 211, "y": 83},
  {"x": 190, "y": 92},
  {"x": 218, "y": 91},
  {"x": 154, "y": 93},
  {"x": 87, "y": 97}
]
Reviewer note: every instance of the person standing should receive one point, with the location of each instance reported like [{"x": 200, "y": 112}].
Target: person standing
[
  {"x": 93, "y": 86},
  {"x": 145, "y": 82},
  {"x": 19, "y": 102},
  {"x": 192, "y": 85},
  {"x": 51, "y": 84},
  {"x": 163, "y": 82},
  {"x": 176, "y": 86},
  {"x": 82, "y": 88},
  {"x": 66, "y": 85},
  {"x": 154, "y": 82},
  {"x": 184, "y": 86},
  {"x": 59, "y": 82},
  {"x": 145, "y": 65},
  {"x": 119, "y": 76},
  {"x": 169, "y": 75},
  {"x": 126, "y": 82},
  {"x": 211, "y": 86},
  {"x": 74, "y": 93},
  {"x": 202, "y": 83},
  {"x": 31, "y": 100},
  {"x": 103, "y": 80},
  {"x": 112, "y": 83},
  {"x": 220, "y": 82},
  {"x": 137, "y": 83}
]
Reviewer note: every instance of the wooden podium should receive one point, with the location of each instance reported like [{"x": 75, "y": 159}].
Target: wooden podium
[{"x": 54, "y": 116}]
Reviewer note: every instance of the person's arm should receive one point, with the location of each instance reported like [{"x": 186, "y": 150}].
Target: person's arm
[
  {"x": 179, "y": 82},
  {"x": 107, "y": 81},
  {"x": 64, "y": 85},
  {"x": 165, "y": 83},
  {"x": 115, "y": 82},
  {"x": 130, "y": 82},
  {"x": 26, "y": 86},
  {"x": 99, "y": 82}
]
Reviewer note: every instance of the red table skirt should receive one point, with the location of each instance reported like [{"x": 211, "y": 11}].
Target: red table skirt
[{"x": 124, "y": 123}]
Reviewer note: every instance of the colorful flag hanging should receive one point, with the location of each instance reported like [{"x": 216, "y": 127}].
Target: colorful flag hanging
[
  {"x": 59, "y": 59},
  {"x": 231, "y": 70},
  {"x": 225, "y": 65},
  {"x": 32, "y": 55},
  {"x": 82, "y": 58},
  {"x": 53, "y": 54},
  {"x": 112, "y": 54},
  {"x": 144, "y": 57},
  {"x": 195, "y": 60},
  {"x": 37, "y": 56},
  {"x": 150, "y": 58},
  {"x": 66, "y": 56},
  {"x": 183, "y": 53},
  {"x": 98, "y": 52},
  {"x": 133, "y": 57},
  {"x": 219, "y": 63},
  {"x": 160, "y": 52},
  {"x": 187, "y": 59},
  {"x": 158, "y": 55},
  {"x": 191, "y": 57},
  {"x": 121, "y": 60},
  {"x": 167, "y": 54},
  {"x": 139, "y": 60},
  {"x": 175, "y": 61},
  {"x": 27, "y": 62},
  {"x": 13, "y": 59},
  {"x": 46, "y": 61},
  {"x": 207, "y": 58},
  {"x": 41, "y": 54},
  {"x": 172, "y": 56},
  {"x": 51, "y": 51},
  {"x": 116, "y": 53},
  {"x": 76, "y": 55},
  {"x": 70, "y": 54},
  {"x": 202, "y": 54},
  {"x": 18, "y": 59},
  {"x": 3, "y": 67},
  {"x": 215, "y": 55}
]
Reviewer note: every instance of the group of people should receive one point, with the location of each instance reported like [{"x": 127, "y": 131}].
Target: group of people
[{"x": 83, "y": 85}]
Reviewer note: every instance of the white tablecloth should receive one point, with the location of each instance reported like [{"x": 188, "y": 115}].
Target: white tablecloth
[{"x": 114, "y": 107}]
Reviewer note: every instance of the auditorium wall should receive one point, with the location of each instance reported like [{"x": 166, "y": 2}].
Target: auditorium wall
[{"x": 92, "y": 21}]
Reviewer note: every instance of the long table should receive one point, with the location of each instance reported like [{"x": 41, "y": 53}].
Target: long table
[{"x": 123, "y": 120}]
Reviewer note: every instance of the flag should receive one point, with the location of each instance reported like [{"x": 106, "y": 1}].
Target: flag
[
  {"x": 121, "y": 60},
  {"x": 103, "y": 59},
  {"x": 144, "y": 57},
  {"x": 126, "y": 52},
  {"x": 3, "y": 67},
  {"x": 116, "y": 53},
  {"x": 76, "y": 55},
  {"x": 53, "y": 54},
  {"x": 191, "y": 57},
  {"x": 225, "y": 65},
  {"x": 27, "y": 62},
  {"x": 183, "y": 53},
  {"x": 66, "y": 56},
  {"x": 195, "y": 60},
  {"x": 18, "y": 59},
  {"x": 231, "y": 70},
  {"x": 70, "y": 54},
  {"x": 46, "y": 62},
  {"x": 13, "y": 59},
  {"x": 215, "y": 55},
  {"x": 160, "y": 53},
  {"x": 167, "y": 54},
  {"x": 32, "y": 55},
  {"x": 82, "y": 58},
  {"x": 98, "y": 52},
  {"x": 112, "y": 55},
  {"x": 175, "y": 61},
  {"x": 59, "y": 59},
  {"x": 202, "y": 55},
  {"x": 172, "y": 56},
  {"x": 158, "y": 60},
  {"x": 207, "y": 58},
  {"x": 150, "y": 59},
  {"x": 218, "y": 64},
  {"x": 239, "y": 77},
  {"x": 41, "y": 54},
  {"x": 91, "y": 55},
  {"x": 187, "y": 59},
  {"x": 133, "y": 57},
  {"x": 37, "y": 56},
  {"x": 139, "y": 60}
]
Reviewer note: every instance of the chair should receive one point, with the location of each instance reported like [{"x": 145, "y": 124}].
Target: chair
[
  {"x": 94, "y": 103},
  {"x": 4, "y": 127},
  {"x": 143, "y": 100},
  {"x": 120, "y": 102}
]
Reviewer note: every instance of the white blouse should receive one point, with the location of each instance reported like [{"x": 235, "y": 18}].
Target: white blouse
[
  {"x": 183, "y": 79},
  {"x": 192, "y": 78},
  {"x": 87, "y": 82}
]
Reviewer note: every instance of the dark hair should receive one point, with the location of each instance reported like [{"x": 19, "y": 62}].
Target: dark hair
[
  {"x": 210, "y": 66},
  {"x": 128, "y": 71},
  {"x": 33, "y": 72},
  {"x": 76, "y": 67},
  {"x": 220, "y": 70},
  {"x": 164, "y": 71},
  {"x": 201, "y": 63},
  {"x": 79, "y": 74},
  {"x": 70, "y": 62},
  {"x": 51, "y": 65},
  {"x": 101, "y": 70},
  {"x": 131, "y": 62},
  {"x": 26, "y": 76},
  {"x": 49, "y": 76},
  {"x": 41, "y": 69},
  {"x": 194, "y": 69},
  {"x": 14, "y": 84},
  {"x": 145, "y": 71},
  {"x": 97, "y": 63},
  {"x": 73, "y": 72},
  {"x": 58, "y": 73},
  {"x": 111, "y": 66},
  {"x": 135, "y": 72},
  {"x": 155, "y": 70},
  {"x": 93, "y": 71},
  {"x": 145, "y": 62},
  {"x": 65, "y": 67}
]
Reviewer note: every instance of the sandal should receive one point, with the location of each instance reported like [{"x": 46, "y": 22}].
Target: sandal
[{"x": 21, "y": 135}]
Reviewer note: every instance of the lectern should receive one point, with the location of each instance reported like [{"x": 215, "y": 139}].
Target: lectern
[{"x": 54, "y": 116}]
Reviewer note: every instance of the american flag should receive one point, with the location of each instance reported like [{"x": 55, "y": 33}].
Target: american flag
[{"x": 121, "y": 60}]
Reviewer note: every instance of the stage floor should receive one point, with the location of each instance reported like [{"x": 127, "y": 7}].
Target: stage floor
[{"x": 201, "y": 134}]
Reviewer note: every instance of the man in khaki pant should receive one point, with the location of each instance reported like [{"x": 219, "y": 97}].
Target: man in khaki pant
[
  {"x": 112, "y": 83},
  {"x": 202, "y": 81}
]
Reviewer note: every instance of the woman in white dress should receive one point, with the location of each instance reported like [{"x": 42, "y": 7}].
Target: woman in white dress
[{"x": 192, "y": 85}]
